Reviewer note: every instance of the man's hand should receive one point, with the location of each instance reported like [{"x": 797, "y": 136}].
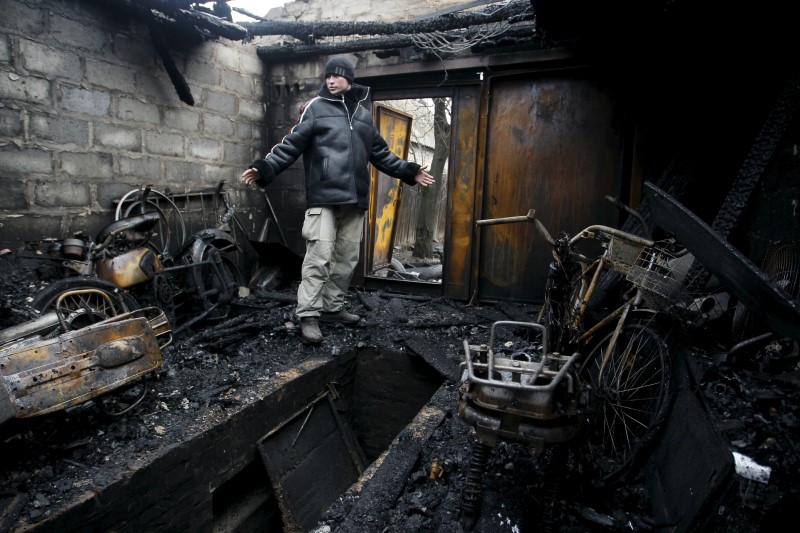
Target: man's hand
[
  {"x": 423, "y": 178},
  {"x": 250, "y": 176}
]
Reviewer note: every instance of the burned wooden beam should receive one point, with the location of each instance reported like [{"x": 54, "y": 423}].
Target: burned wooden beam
[
  {"x": 280, "y": 52},
  {"x": 180, "y": 12},
  {"x": 215, "y": 25},
  {"x": 160, "y": 44},
  {"x": 514, "y": 12}
]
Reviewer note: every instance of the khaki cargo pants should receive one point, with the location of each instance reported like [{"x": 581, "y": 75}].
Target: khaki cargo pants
[{"x": 333, "y": 243}]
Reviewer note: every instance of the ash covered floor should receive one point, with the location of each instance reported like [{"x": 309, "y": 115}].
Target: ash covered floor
[{"x": 210, "y": 373}]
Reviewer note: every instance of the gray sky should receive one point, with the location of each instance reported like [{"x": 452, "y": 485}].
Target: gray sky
[{"x": 256, "y": 7}]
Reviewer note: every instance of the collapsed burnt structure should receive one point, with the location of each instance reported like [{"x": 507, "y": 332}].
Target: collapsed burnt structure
[{"x": 549, "y": 113}]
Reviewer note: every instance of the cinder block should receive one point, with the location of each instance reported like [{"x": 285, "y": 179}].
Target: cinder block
[
  {"x": 5, "y": 50},
  {"x": 249, "y": 109},
  {"x": 184, "y": 172},
  {"x": 237, "y": 83},
  {"x": 204, "y": 149},
  {"x": 87, "y": 165},
  {"x": 80, "y": 100},
  {"x": 113, "y": 76},
  {"x": 238, "y": 154},
  {"x": 15, "y": 230},
  {"x": 220, "y": 102},
  {"x": 25, "y": 160},
  {"x": 145, "y": 169},
  {"x": 245, "y": 130},
  {"x": 27, "y": 20},
  {"x": 10, "y": 122},
  {"x": 108, "y": 192},
  {"x": 61, "y": 194},
  {"x": 134, "y": 51},
  {"x": 28, "y": 88},
  {"x": 227, "y": 56},
  {"x": 59, "y": 128},
  {"x": 217, "y": 125},
  {"x": 138, "y": 111},
  {"x": 202, "y": 72},
  {"x": 76, "y": 34},
  {"x": 13, "y": 197},
  {"x": 249, "y": 62},
  {"x": 49, "y": 61},
  {"x": 114, "y": 136},
  {"x": 230, "y": 175},
  {"x": 88, "y": 223},
  {"x": 163, "y": 143},
  {"x": 182, "y": 119}
]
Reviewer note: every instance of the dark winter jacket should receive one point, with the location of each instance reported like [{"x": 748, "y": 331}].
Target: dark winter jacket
[{"x": 337, "y": 138}]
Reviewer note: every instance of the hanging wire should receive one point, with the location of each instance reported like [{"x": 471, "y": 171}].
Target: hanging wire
[{"x": 450, "y": 42}]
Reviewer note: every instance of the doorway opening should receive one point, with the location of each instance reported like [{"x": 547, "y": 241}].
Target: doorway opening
[{"x": 407, "y": 224}]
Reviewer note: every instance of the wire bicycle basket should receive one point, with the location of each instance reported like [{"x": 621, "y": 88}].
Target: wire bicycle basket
[{"x": 661, "y": 276}]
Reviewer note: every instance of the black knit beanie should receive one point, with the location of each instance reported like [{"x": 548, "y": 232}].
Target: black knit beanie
[{"x": 341, "y": 66}]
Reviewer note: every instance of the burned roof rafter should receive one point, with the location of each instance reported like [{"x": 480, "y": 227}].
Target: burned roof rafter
[
  {"x": 515, "y": 11},
  {"x": 180, "y": 12},
  {"x": 514, "y": 19}
]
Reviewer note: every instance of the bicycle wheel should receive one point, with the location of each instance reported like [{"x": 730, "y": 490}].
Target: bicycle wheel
[
  {"x": 170, "y": 232},
  {"x": 218, "y": 286},
  {"x": 84, "y": 301},
  {"x": 629, "y": 396}
]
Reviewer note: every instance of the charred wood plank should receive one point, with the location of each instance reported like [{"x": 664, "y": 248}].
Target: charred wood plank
[
  {"x": 435, "y": 356},
  {"x": 277, "y": 296},
  {"x": 231, "y": 326},
  {"x": 779, "y": 311},
  {"x": 388, "y": 476}
]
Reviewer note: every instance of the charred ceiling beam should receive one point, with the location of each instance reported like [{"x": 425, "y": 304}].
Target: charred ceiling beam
[
  {"x": 515, "y": 11},
  {"x": 181, "y": 13},
  {"x": 160, "y": 43},
  {"x": 285, "y": 51}
]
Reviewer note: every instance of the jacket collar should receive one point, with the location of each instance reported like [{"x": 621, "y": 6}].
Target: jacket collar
[{"x": 357, "y": 93}]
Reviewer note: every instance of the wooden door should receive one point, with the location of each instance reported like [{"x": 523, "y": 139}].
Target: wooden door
[
  {"x": 554, "y": 144},
  {"x": 385, "y": 191}
]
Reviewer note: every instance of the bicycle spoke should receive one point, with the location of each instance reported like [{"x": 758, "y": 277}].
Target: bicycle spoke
[{"x": 629, "y": 388}]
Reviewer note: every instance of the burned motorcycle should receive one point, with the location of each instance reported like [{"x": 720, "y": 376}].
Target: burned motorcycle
[
  {"x": 92, "y": 341},
  {"x": 191, "y": 284}
]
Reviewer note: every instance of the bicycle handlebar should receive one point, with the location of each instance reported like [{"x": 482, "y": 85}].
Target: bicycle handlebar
[{"x": 530, "y": 217}]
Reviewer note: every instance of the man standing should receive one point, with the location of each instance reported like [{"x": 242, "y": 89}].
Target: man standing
[{"x": 337, "y": 139}]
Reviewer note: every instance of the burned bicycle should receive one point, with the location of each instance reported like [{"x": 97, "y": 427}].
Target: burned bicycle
[{"x": 580, "y": 376}]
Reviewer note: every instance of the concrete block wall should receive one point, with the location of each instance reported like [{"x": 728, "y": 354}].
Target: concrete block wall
[{"x": 87, "y": 113}]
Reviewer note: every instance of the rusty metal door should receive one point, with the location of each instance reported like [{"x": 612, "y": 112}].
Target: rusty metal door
[
  {"x": 553, "y": 144},
  {"x": 384, "y": 200}
]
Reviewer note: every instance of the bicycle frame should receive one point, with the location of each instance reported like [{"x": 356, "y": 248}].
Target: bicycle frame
[{"x": 617, "y": 367}]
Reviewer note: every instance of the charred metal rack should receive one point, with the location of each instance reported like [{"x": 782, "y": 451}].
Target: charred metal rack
[{"x": 527, "y": 396}]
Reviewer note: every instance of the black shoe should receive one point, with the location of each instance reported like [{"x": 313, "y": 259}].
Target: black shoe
[
  {"x": 309, "y": 330},
  {"x": 341, "y": 316}
]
